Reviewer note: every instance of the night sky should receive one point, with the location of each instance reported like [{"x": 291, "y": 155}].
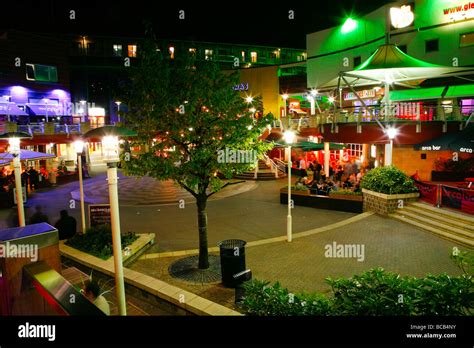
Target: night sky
[{"x": 248, "y": 22}]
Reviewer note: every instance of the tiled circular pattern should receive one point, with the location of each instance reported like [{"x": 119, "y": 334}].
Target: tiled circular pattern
[{"x": 187, "y": 269}]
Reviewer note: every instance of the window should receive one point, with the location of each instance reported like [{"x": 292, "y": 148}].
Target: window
[
  {"x": 253, "y": 57},
  {"x": 357, "y": 61},
  {"x": 403, "y": 48},
  {"x": 171, "y": 51},
  {"x": 117, "y": 50},
  {"x": 192, "y": 51},
  {"x": 132, "y": 50},
  {"x": 208, "y": 54},
  {"x": 432, "y": 45},
  {"x": 354, "y": 150},
  {"x": 41, "y": 73},
  {"x": 243, "y": 56},
  {"x": 466, "y": 39}
]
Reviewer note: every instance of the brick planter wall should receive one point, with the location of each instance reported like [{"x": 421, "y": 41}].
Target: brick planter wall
[{"x": 384, "y": 204}]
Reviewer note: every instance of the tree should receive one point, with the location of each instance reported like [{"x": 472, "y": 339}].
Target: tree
[{"x": 193, "y": 127}]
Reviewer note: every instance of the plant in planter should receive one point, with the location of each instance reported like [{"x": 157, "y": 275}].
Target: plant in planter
[
  {"x": 97, "y": 241},
  {"x": 385, "y": 189},
  {"x": 389, "y": 180}
]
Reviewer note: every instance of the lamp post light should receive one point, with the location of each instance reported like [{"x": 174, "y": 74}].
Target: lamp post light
[
  {"x": 289, "y": 137},
  {"x": 118, "y": 102},
  {"x": 249, "y": 99},
  {"x": 110, "y": 146},
  {"x": 391, "y": 133},
  {"x": 14, "y": 149},
  {"x": 79, "y": 148}
]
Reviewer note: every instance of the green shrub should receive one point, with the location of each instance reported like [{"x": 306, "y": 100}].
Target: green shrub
[
  {"x": 97, "y": 241},
  {"x": 388, "y": 180},
  {"x": 297, "y": 188},
  {"x": 374, "y": 293}
]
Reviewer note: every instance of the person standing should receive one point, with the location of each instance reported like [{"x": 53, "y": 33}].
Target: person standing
[
  {"x": 66, "y": 225},
  {"x": 38, "y": 216}
]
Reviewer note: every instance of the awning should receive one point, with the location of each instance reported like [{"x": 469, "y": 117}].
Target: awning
[
  {"x": 26, "y": 155},
  {"x": 459, "y": 142},
  {"x": 310, "y": 146},
  {"x": 40, "y": 109},
  {"x": 460, "y": 91},
  {"x": 11, "y": 109},
  {"x": 416, "y": 94}
]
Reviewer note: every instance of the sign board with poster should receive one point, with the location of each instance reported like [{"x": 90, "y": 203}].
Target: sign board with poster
[{"x": 99, "y": 214}]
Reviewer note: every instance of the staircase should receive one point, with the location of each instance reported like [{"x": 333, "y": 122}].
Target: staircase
[
  {"x": 447, "y": 224},
  {"x": 265, "y": 172}
]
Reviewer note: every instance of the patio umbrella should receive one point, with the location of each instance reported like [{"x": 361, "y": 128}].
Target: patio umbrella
[
  {"x": 310, "y": 146},
  {"x": 25, "y": 155}
]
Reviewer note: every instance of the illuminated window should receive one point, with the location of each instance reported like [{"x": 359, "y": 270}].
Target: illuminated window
[
  {"x": 243, "y": 56},
  {"x": 171, "y": 50},
  {"x": 253, "y": 57},
  {"x": 117, "y": 50},
  {"x": 208, "y": 54},
  {"x": 466, "y": 39},
  {"x": 132, "y": 50},
  {"x": 432, "y": 45},
  {"x": 192, "y": 51}
]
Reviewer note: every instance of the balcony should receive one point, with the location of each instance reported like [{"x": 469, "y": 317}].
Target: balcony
[{"x": 48, "y": 128}]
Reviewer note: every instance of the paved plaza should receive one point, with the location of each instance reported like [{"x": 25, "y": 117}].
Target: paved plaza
[{"x": 251, "y": 211}]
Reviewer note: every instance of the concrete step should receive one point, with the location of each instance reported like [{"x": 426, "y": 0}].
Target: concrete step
[
  {"x": 438, "y": 216},
  {"x": 436, "y": 223},
  {"x": 458, "y": 216},
  {"x": 442, "y": 234}
]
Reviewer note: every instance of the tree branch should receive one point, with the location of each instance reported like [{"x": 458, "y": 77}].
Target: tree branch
[{"x": 225, "y": 185}]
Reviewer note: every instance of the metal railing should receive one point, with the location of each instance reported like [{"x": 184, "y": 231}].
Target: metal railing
[{"x": 274, "y": 167}]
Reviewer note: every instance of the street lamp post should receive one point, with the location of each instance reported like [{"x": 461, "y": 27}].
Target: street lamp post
[
  {"x": 110, "y": 146},
  {"x": 118, "y": 109},
  {"x": 15, "y": 151},
  {"x": 289, "y": 137},
  {"x": 46, "y": 103},
  {"x": 79, "y": 147}
]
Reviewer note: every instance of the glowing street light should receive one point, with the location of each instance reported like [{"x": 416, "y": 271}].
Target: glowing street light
[
  {"x": 331, "y": 99},
  {"x": 118, "y": 102},
  {"x": 14, "y": 149},
  {"x": 285, "y": 97},
  {"x": 79, "y": 148},
  {"x": 249, "y": 99},
  {"x": 289, "y": 137},
  {"x": 109, "y": 136},
  {"x": 349, "y": 25}
]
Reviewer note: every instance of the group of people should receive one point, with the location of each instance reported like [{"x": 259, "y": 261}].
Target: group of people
[
  {"x": 342, "y": 175},
  {"x": 30, "y": 178}
]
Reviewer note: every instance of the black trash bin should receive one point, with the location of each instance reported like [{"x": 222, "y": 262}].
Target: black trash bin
[{"x": 232, "y": 253}]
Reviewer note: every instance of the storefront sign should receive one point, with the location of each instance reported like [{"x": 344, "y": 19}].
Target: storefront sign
[
  {"x": 401, "y": 17},
  {"x": 366, "y": 93},
  {"x": 428, "y": 192},
  {"x": 241, "y": 87},
  {"x": 459, "y": 12},
  {"x": 458, "y": 198},
  {"x": 99, "y": 214}
]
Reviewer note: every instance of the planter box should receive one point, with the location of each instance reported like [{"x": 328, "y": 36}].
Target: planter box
[
  {"x": 346, "y": 197},
  {"x": 384, "y": 204},
  {"x": 295, "y": 192},
  {"x": 322, "y": 202}
]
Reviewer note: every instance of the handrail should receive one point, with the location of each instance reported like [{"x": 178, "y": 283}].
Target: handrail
[{"x": 275, "y": 167}]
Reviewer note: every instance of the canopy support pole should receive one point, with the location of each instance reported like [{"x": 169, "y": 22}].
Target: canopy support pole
[
  {"x": 363, "y": 103},
  {"x": 335, "y": 104}
]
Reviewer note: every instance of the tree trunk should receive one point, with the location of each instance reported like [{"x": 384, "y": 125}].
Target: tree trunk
[{"x": 202, "y": 224}]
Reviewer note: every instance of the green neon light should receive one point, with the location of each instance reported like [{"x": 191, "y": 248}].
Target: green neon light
[{"x": 349, "y": 25}]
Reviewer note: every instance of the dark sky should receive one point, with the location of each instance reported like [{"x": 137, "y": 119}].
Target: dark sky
[{"x": 235, "y": 21}]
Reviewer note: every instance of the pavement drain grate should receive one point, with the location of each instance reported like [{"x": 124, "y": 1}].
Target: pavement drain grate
[{"x": 187, "y": 269}]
